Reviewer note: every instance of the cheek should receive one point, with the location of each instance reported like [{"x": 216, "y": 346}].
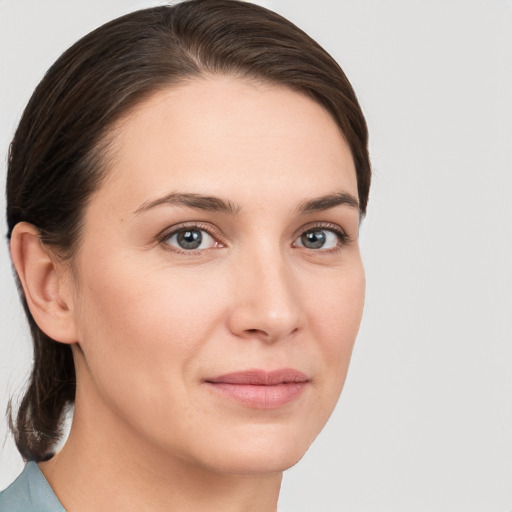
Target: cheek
[
  {"x": 140, "y": 304},
  {"x": 335, "y": 316},
  {"x": 141, "y": 327}
]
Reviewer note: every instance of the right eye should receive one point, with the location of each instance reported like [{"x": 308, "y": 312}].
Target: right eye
[{"x": 191, "y": 239}]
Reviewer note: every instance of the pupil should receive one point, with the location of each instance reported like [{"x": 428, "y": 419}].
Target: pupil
[
  {"x": 190, "y": 239},
  {"x": 313, "y": 239}
]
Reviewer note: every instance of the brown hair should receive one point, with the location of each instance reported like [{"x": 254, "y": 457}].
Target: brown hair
[{"x": 55, "y": 159}]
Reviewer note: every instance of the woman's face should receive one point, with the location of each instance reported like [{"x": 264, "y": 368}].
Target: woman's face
[{"x": 218, "y": 284}]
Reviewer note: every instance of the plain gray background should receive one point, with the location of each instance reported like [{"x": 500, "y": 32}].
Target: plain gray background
[{"x": 425, "y": 420}]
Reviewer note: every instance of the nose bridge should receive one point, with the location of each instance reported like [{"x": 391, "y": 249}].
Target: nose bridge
[{"x": 267, "y": 302}]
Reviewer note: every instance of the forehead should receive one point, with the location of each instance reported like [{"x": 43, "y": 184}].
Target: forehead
[{"x": 221, "y": 135}]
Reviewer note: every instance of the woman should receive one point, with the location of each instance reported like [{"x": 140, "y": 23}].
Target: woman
[{"x": 184, "y": 196}]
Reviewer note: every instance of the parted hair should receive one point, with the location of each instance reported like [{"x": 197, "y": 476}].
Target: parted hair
[{"x": 57, "y": 156}]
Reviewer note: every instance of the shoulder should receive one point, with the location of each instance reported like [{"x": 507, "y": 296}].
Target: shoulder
[{"x": 30, "y": 492}]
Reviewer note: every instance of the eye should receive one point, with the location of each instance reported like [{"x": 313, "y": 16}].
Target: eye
[
  {"x": 191, "y": 239},
  {"x": 320, "y": 239}
]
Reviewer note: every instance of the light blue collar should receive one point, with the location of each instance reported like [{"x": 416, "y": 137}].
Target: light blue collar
[{"x": 30, "y": 492}]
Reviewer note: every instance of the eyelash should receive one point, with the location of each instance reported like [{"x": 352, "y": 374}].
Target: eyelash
[
  {"x": 193, "y": 226},
  {"x": 162, "y": 239},
  {"x": 343, "y": 238}
]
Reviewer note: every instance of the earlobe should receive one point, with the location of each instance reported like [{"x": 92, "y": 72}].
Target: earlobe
[{"x": 45, "y": 284}]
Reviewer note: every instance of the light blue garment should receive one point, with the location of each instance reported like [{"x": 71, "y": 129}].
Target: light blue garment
[{"x": 30, "y": 492}]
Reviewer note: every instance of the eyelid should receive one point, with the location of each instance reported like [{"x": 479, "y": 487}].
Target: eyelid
[
  {"x": 192, "y": 225},
  {"x": 216, "y": 234},
  {"x": 344, "y": 238}
]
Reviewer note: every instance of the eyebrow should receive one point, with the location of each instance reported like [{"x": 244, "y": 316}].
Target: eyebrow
[
  {"x": 197, "y": 201},
  {"x": 327, "y": 202},
  {"x": 215, "y": 204}
]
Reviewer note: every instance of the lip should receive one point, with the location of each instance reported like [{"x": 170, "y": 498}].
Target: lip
[{"x": 261, "y": 389}]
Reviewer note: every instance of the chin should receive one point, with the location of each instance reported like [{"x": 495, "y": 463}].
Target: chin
[
  {"x": 264, "y": 451},
  {"x": 270, "y": 462}
]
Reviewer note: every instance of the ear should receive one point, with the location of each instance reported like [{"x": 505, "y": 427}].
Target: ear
[{"x": 46, "y": 283}]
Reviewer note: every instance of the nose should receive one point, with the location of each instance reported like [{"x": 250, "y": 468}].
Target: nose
[{"x": 266, "y": 303}]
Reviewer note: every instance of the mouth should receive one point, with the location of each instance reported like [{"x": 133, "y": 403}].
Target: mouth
[{"x": 260, "y": 389}]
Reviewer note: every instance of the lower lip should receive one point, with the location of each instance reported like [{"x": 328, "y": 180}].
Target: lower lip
[{"x": 261, "y": 396}]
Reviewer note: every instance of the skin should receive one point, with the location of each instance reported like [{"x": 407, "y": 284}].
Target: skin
[{"x": 149, "y": 321}]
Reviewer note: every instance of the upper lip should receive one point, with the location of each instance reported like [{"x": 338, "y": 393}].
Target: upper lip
[{"x": 261, "y": 377}]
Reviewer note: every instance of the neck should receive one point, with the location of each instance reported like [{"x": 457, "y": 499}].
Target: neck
[{"x": 105, "y": 465}]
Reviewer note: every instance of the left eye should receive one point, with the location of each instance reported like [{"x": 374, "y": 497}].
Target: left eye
[
  {"x": 318, "y": 239},
  {"x": 190, "y": 239}
]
